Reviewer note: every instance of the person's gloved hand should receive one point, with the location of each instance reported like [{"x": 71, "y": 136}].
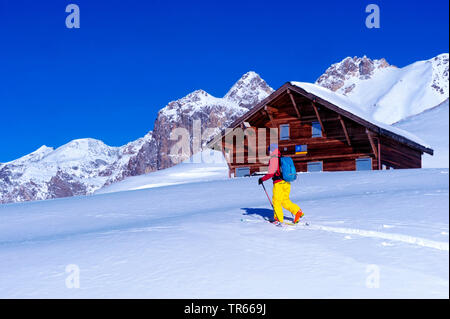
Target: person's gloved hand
[{"x": 260, "y": 181}]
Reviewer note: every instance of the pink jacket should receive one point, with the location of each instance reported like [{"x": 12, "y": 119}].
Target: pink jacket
[{"x": 274, "y": 167}]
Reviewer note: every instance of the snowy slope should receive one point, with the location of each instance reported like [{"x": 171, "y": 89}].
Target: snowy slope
[
  {"x": 389, "y": 93},
  {"x": 204, "y": 166},
  {"x": 433, "y": 127},
  {"x": 208, "y": 239}
]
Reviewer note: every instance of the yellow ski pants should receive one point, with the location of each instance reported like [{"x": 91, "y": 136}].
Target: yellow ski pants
[{"x": 281, "y": 191}]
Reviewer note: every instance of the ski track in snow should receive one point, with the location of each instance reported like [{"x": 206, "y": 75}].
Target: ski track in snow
[
  {"x": 367, "y": 233},
  {"x": 394, "y": 237}
]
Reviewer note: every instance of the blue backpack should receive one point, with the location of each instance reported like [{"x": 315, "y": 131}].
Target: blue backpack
[{"x": 287, "y": 169}]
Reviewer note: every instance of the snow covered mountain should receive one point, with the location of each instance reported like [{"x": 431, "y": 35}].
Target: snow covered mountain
[
  {"x": 77, "y": 168},
  {"x": 83, "y": 166},
  {"x": 389, "y": 93}
]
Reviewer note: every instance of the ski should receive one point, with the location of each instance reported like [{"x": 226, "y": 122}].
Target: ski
[
  {"x": 297, "y": 224},
  {"x": 300, "y": 223},
  {"x": 287, "y": 223}
]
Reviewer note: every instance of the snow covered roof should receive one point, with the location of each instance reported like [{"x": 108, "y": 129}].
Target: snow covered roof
[
  {"x": 346, "y": 104},
  {"x": 341, "y": 104}
]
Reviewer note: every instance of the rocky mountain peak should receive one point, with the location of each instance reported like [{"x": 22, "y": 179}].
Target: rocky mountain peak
[
  {"x": 440, "y": 73},
  {"x": 212, "y": 112},
  {"x": 340, "y": 76},
  {"x": 248, "y": 90},
  {"x": 195, "y": 96}
]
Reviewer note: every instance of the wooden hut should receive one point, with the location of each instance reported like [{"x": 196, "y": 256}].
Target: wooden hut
[{"x": 320, "y": 130}]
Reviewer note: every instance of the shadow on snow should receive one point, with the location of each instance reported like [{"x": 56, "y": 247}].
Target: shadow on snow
[{"x": 263, "y": 212}]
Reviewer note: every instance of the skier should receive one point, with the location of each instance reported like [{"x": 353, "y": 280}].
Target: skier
[{"x": 281, "y": 188}]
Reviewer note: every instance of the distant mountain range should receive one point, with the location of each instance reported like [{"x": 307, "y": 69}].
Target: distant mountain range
[
  {"x": 389, "y": 93},
  {"x": 83, "y": 166}
]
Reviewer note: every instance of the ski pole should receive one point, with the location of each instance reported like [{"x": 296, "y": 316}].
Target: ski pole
[{"x": 267, "y": 195}]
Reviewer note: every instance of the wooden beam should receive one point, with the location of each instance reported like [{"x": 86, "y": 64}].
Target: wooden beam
[
  {"x": 293, "y": 103},
  {"x": 345, "y": 130},
  {"x": 264, "y": 113},
  {"x": 269, "y": 116},
  {"x": 277, "y": 98},
  {"x": 306, "y": 158},
  {"x": 372, "y": 143},
  {"x": 271, "y": 98},
  {"x": 222, "y": 148},
  {"x": 270, "y": 109},
  {"x": 314, "y": 141},
  {"x": 318, "y": 118}
]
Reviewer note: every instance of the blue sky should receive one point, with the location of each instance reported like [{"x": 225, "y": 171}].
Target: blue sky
[{"x": 108, "y": 79}]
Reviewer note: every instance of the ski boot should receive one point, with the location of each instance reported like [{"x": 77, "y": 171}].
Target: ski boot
[{"x": 298, "y": 216}]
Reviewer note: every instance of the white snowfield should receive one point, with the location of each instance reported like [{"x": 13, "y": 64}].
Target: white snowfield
[
  {"x": 431, "y": 125},
  {"x": 374, "y": 234},
  {"x": 203, "y": 166}
]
